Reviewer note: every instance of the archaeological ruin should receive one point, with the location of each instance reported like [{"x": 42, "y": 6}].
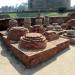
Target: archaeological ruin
[{"x": 37, "y": 38}]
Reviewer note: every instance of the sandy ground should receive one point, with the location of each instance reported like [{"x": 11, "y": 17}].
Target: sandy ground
[{"x": 61, "y": 64}]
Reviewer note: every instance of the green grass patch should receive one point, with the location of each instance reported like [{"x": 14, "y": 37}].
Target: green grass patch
[
  {"x": 14, "y": 15},
  {"x": 57, "y": 14}
]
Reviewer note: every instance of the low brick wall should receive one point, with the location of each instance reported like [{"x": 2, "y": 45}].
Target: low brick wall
[{"x": 4, "y": 22}]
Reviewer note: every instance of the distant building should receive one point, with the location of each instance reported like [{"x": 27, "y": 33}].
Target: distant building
[{"x": 48, "y": 4}]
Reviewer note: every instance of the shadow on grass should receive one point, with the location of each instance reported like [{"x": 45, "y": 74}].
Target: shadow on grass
[{"x": 20, "y": 67}]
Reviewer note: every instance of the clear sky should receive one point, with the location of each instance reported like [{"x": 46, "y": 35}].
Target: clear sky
[
  {"x": 72, "y": 2},
  {"x": 14, "y": 2},
  {"x": 11, "y": 2}
]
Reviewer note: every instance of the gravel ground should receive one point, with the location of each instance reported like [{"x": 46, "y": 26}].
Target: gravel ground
[{"x": 61, "y": 64}]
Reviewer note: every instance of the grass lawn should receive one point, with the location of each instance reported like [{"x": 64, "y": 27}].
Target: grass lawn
[
  {"x": 14, "y": 15},
  {"x": 58, "y": 14}
]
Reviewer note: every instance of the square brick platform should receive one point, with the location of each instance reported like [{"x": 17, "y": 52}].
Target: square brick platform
[{"x": 31, "y": 57}]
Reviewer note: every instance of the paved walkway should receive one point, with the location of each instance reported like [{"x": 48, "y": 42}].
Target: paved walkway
[{"x": 61, "y": 64}]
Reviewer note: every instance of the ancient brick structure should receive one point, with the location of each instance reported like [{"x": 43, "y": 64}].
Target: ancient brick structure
[
  {"x": 34, "y": 48},
  {"x": 38, "y": 29},
  {"x": 51, "y": 35},
  {"x": 58, "y": 28},
  {"x": 15, "y": 33},
  {"x": 12, "y": 23},
  {"x": 3, "y": 24},
  {"x": 50, "y": 27},
  {"x": 54, "y": 24},
  {"x": 38, "y": 21},
  {"x": 46, "y": 21},
  {"x": 70, "y": 33},
  {"x": 20, "y": 21},
  {"x": 64, "y": 26},
  {"x": 71, "y": 15},
  {"x": 31, "y": 57},
  {"x": 27, "y": 22},
  {"x": 33, "y": 41},
  {"x": 71, "y": 23}
]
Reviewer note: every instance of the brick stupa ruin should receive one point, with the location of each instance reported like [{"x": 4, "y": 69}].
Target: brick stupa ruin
[
  {"x": 33, "y": 41},
  {"x": 36, "y": 45}
]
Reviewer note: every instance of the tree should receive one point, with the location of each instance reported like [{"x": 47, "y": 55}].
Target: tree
[
  {"x": 22, "y": 7},
  {"x": 62, "y": 9}
]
